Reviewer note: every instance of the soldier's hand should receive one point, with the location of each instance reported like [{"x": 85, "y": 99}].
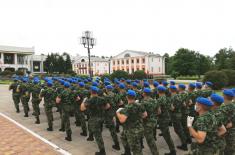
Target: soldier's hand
[
  {"x": 78, "y": 98},
  {"x": 190, "y": 121}
]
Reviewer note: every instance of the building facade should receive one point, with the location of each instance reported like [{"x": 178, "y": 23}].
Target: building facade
[
  {"x": 131, "y": 61},
  {"x": 21, "y": 58},
  {"x": 99, "y": 66}
]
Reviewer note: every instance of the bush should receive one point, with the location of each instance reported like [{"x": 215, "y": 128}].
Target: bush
[
  {"x": 140, "y": 74},
  {"x": 231, "y": 76},
  {"x": 218, "y": 78},
  {"x": 19, "y": 72},
  {"x": 7, "y": 73},
  {"x": 174, "y": 74},
  {"x": 105, "y": 76},
  {"x": 119, "y": 74}
]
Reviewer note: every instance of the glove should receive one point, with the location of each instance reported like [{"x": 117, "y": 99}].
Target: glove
[
  {"x": 119, "y": 109},
  {"x": 190, "y": 121},
  {"x": 137, "y": 101}
]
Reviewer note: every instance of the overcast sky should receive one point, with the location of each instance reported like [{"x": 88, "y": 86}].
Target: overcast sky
[{"x": 157, "y": 26}]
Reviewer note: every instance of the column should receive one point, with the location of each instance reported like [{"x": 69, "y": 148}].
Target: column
[
  {"x": 135, "y": 64},
  {"x": 15, "y": 59}
]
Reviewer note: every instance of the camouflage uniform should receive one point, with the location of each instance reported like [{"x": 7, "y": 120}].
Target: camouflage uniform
[
  {"x": 228, "y": 112},
  {"x": 35, "y": 90},
  {"x": 149, "y": 123},
  {"x": 59, "y": 89},
  {"x": 95, "y": 107},
  {"x": 15, "y": 94},
  {"x": 109, "y": 116},
  {"x": 207, "y": 123},
  {"x": 49, "y": 100},
  {"x": 133, "y": 129},
  {"x": 191, "y": 98},
  {"x": 176, "y": 116},
  {"x": 164, "y": 119},
  {"x": 24, "y": 91}
]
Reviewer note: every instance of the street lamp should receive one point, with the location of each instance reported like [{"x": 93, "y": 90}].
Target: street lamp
[{"x": 88, "y": 42}]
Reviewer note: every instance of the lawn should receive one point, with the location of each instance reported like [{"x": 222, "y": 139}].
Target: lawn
[{"x": 5, "y": 81}]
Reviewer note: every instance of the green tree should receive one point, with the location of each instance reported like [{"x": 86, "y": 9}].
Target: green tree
[
  {"x": 119, "y": 74},
  {"x": 203, "y": 64},
  {"x": 223, "y": 59},
  {"x": 139, "y": 74}
]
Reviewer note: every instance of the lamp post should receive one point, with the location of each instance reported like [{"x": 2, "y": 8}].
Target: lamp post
[{"x": 88, "y": 42}]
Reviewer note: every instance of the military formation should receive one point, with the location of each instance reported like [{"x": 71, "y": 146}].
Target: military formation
[{"x": 135, "y": 109}]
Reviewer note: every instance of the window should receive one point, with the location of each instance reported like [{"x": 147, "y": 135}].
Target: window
[
  {"x": 127, "y": 61},
  {"x": 82, "y": 60},
  {"x": 20, "y": 59},
  {"x": 137, "y": 61},
  {"x": 118, "y": 62},
  {"x": 113, "y": 62},
  {"x": 132, "y": 61},
  {"x": 143, "y": 68},
  {"x": 126, "y": 55},
  {"x": 143, "y": 60},
  {"x": 123, "y": 62},
  {"x": 159, "y": 59},
  {"x": 8, "y": 58}
]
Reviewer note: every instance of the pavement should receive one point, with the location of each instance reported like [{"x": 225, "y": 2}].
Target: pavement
[{"x": 36, "y": 137}]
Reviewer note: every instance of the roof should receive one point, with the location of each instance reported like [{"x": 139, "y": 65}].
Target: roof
[
  {"x": 93, "y": 59},
  {"x": 137, "y": 52},
  {"x": 14, "y": 49}
]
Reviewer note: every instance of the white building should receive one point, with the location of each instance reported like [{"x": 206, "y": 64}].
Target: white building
[
  {"x": 131, "y": 61},
  {"x": 99, "y": 66},
  {"x": 15, "y": 58}
]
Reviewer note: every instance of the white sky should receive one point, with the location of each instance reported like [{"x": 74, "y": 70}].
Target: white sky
[{"x": 158, "y": 26}]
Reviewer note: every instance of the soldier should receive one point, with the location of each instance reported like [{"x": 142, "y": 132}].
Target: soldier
[
  {"x": 95, "y": 106},
  {"x": 65, "y": 100},
  {"x": 164, "y": 119},
  {"x": 24, "y": 91},
  {"x": 35, "y": 90},
  {"x": 191, "y": 99},
  {"x": 131, "y": 118},
  {"x": 207, "y": 90},
  {"x": 15, "y": 93},
  {"x": 110, "y": 114},
  {"x": 204, "y": 129},
  {"x": 228, "y": 111},
  {"x": 149, "y": 123},
  {"x": 155, "y": 92},
  {"x": 215, "y": 110},
  {"x": 49, "y": 98},
  {"x": 176, "y": 116}
]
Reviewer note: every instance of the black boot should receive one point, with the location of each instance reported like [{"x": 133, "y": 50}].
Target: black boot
[
  {"x": 189, "y": 141},
  {"x": 68, "y": 138},
  {"x": 183, "y": 147},
  {"x": 33, "y": 113},
  {"x": 127, "y": 151},
  {"x": 141, "y": 143},
  {"x": 84, "y": 133},
  {"x": 50, "y": 128},
  {"x": 26, "y": 115},
  {"x": 173, "y": 152},
  {"x": 37, "y": 120},
  {"x": 90, "y": 138},
  {"x": 62, "y": 129},
  {"x": 116, "y": 146},
  {"x": 101, "y": 152}
]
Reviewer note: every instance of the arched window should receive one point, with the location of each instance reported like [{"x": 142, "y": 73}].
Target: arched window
[
  {"x": 83, "y": 60},
  {"x": 127, "y": 55}
]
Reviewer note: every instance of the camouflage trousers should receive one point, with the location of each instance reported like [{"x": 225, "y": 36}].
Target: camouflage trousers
[
  {"x": 111, "y": 126},
  {"x": 66, "y": 111},
  {"x": 36, "y": 109},
  {"x": 184, "y": 126},
  {"x": 25, "y": 104},
  {"x": 95, "y": 128},
  {"x": 80, "y": 118},
  {"x": 230, "y": 142},
  {"x": 131, "y": 139},
  {"x": 178, "y": 127},
  {"x": 164, "y": 127},
  {"x": 148, "y": 134},
  {"x": 49, "y": 114},
  {"x": 16, "y": 99},
  {"x": 197, "y": 150}
]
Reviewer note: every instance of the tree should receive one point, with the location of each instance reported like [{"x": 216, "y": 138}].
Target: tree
[
  {"x": 223, "y": 59},
  {"x": 139, "y": 74},
  {"x": 119, "y": 74},
  {"x": 203, "y": 64}
]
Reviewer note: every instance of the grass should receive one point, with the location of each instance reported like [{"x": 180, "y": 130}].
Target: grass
[{"x": 5, "y": 81}]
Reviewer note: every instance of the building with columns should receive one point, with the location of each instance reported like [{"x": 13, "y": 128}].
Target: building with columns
[
  {"x": 15, "y": 58},
  {"x": 99, "y": 66},
  {"x": 131, "y": 61}
]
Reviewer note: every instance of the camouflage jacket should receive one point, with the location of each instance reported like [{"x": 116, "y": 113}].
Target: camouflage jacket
[
  {"x": 95, "y": 107},
  {"x": 15, "y": 88},
  {"x": 151, "y": 108},
  {"x": 164, "y": 106},
  {"x": 49, "y": 95},
  {"x": 35, "y": 90}
]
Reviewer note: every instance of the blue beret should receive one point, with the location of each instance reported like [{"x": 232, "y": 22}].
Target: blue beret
[
  {"x": 62, "y": 82},
  {"x": 217, "y": 98},
  {"x": 137, "y": 81},
  {"x": 199, "y": 85},
  {"x": 161, "y": 88},
  {"x": 204, "y": 101},
  {"x": 165, "y": 83},
  {"x": 25, "y": 80},
  {"x": 94, "y": 84},
  {"x": 122, "y": 85},
  {"x": 228, "y": 92},
  {"x": 155, "y": 83},
  {"x": 49, "y": 83},
  {"x": 109, "y": 87},
  {"x": 122, "y": 79},
  {"x": 192, "y": 85},
  {"x": 36, "y": 81},
  {"x": 233, "y": 89},
  {"x": 81, "y": 84},
  {"x": 94, "y": 89},
  {"x": 134, "y": 84},
  {"x": 147, "y": 90},
  {"x": 208, "y": 83},
  {"x": 131, "y": 93},
  {"x": 173, "y": 87},
  {"x": 146, "y": 84},
  {"x": 128, "y": 81},
  {"x": 85, "y": 81},
  {"x": 67, "y": 84},
  {"x": 106, "y": 83},
  {"x": 172, "y": 82},
  {"x": 182, "y": 86}
]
